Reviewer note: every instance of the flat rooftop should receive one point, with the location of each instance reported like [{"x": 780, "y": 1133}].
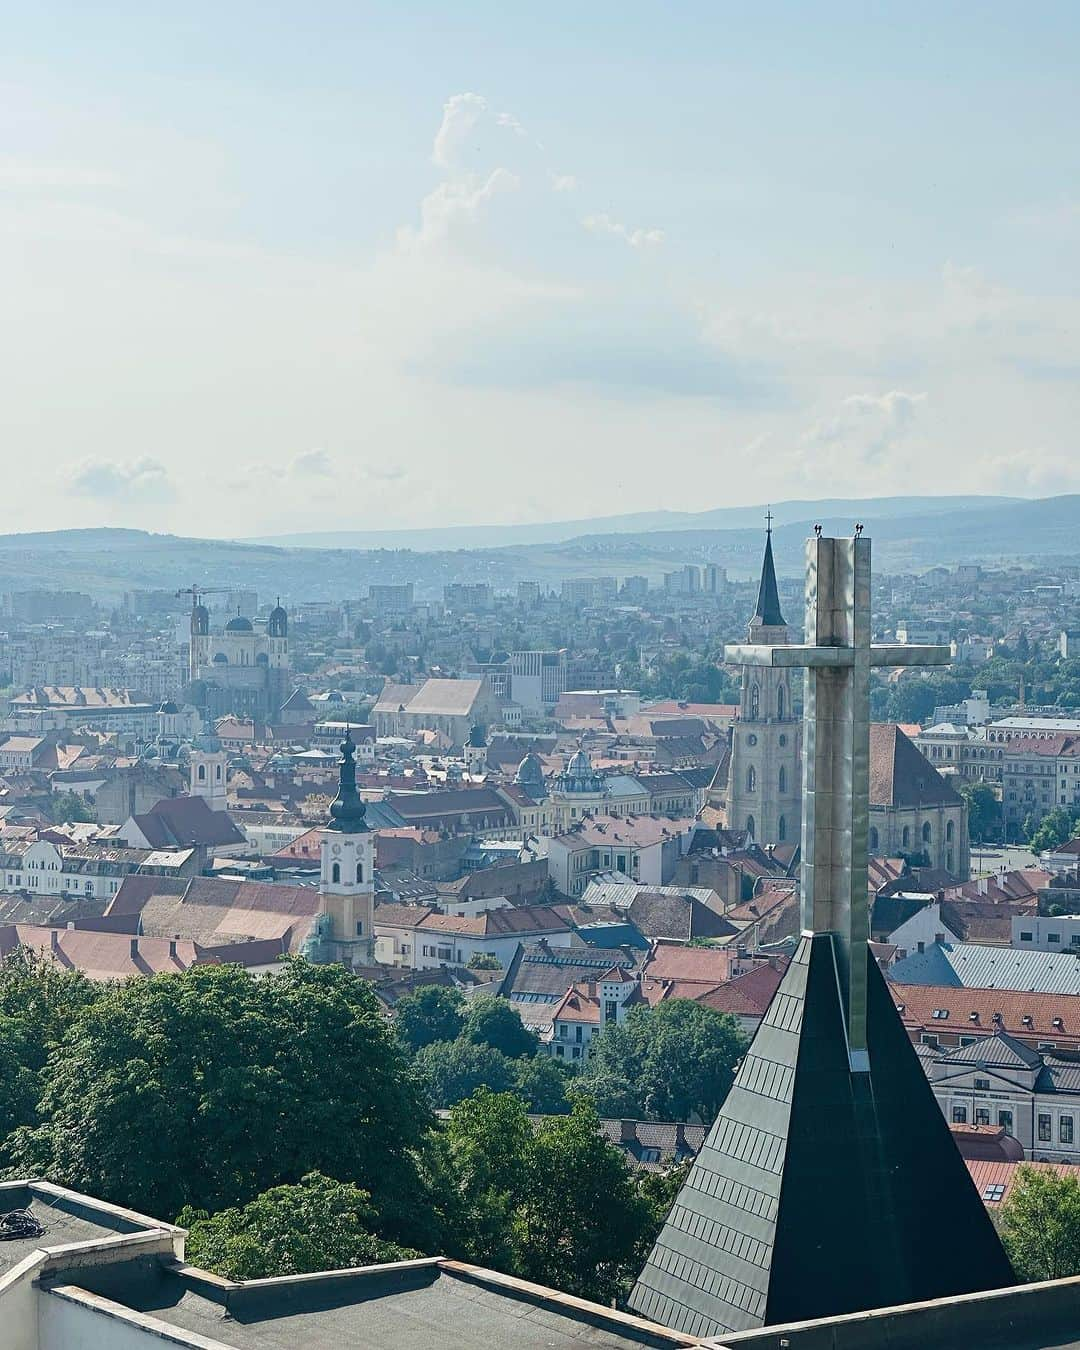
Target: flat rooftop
[
  {"x": 424, "y": 1304},
  {"x": 66, "y": 1219}
]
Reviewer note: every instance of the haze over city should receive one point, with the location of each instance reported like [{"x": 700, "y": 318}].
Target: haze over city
[{"x": 266, "y": 271}]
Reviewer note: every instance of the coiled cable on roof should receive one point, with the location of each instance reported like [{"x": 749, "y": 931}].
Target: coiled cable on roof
[{"x": 19, "y": 1223}]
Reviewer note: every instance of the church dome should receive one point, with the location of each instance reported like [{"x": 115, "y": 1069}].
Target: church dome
[
  {"x": 530, "y": 772},
  {"x": 168, "y": 708},
  {"x": 580, "y": 765},
  {"x": 278, "y": 623},
  {"x": 239, "y": 625}
]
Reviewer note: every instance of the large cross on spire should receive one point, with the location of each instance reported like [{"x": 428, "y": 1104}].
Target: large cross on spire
[{"x": 838, "y": 656}]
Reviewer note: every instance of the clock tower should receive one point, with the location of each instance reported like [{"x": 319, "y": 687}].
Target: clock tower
[{"x": 347, "y": 878}]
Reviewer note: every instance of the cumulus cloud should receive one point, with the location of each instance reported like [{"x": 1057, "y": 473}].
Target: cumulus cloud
[
  {"x": 454, "y": 204},
  {"x": 461, "y": 115},
  {"x": 130, "y": 480},
  {"x": 603, "y": 224},
  {"x": 867, "y": 426},
  {"x": 313, "y": 464}
]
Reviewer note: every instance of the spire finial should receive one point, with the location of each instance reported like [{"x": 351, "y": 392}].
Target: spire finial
[{"x": 768, "y": 520}]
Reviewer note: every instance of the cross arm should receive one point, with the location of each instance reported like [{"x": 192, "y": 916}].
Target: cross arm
[
  {"x": 796, "y": 654},
  {"x": 898, "y": 655}
]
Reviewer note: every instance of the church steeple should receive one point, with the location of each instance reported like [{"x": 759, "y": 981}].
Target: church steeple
[
  {"x": 347, "y": 810},
  {"x": 767, "y": 614}
]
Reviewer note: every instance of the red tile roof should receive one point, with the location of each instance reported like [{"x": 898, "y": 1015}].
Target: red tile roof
[{"x": 917, "y": 1003}]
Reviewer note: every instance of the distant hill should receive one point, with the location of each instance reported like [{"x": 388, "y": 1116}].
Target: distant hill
[
  {"x": 643, "y": 522},
  {"x": 910, "y": 535}
]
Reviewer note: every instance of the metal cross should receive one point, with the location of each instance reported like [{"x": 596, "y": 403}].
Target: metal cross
[
  {"x": 837, "y": 656},
  {"x": 768, "y": 519}
]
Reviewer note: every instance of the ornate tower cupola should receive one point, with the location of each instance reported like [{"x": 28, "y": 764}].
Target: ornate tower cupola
[
  {"x": 209, "y": 765},
  {"x": 764, "y": 790},
  {"x": 347, "y": 879}
]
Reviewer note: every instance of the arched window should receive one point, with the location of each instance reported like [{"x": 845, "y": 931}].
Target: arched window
[
  {"x": 202, "y": 773},
  {"x": 751, "y": 779},
  {"x": 359, "y": 871},
  {"x": 781, "y": 781},
  {"x": 926, "y": 833},
  {"x": 755, "y": 700},
  {"x": 781, "y": 830},
  {"x": 218, "y": 775},
  {"x": 874, "y": 841},
  {"x": 905, "y": 838},
  {"x": 335, "y": 874},
  {"x": 949, "y": 832},
  {"x": 750, "y": 825},
  {"x": 780, "y": 701}
]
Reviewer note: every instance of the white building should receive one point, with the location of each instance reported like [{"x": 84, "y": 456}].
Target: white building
[{"x": 1036, "y": 932}]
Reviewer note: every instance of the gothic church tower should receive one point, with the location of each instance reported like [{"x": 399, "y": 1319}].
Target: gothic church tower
[{"x": 764, "y": 788}]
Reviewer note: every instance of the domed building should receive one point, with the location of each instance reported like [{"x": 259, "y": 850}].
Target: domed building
[
  {"x": 530, "y": 776},
  {"x": 241, "y": 669},
  {"x": 577, "y": 791}
]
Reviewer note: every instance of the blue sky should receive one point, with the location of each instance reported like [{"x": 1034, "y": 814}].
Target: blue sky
[{"x": 272, "y": 267}]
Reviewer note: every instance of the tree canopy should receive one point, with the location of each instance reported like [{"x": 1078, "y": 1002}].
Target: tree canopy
[
  {"x": 434, "y": 1013},
  {"x": 1040, "y": 1224},
  {"x": 208, "y": 1088},
  {"x": 316, "y": 1224},
  {"x": 450, "y": 1071},
  {"x": 671, "y": 1063},
  {"x": 495, "y": 1022}
]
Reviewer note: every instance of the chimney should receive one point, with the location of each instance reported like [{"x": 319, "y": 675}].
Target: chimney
[
  {"x": 983, "y": 884},
  {"x": 54, "y": 940},
  {"x": 627, "y": 1131},
  {"x": 134, "y": 948},
  {"x": 680, "y": 1137}
]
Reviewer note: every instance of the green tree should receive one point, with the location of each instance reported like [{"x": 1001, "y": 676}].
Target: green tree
[
  {"x": 495, "y": 1022},
  {"x": 541, "y": 1084},
  {"x": 316, "y": 1224},
  {"x": 1040, "y": 1224},
  {"x": 679, "y": 1058},
  {"x": 581, "y": 1220},
  {"x": 434, "y": 1013},
  {"x": 1055, "y": 829},
  {"x": 612, "y": 1095},
  {"x": 210, "y": 1087},
  {"x": 484, "y": 961},
  {"x": 984, "y": 811},
  {"x": 70, "y": 807},
  {"x": 39, "y": 1001},
  {"x": 450, "y": 1071}
]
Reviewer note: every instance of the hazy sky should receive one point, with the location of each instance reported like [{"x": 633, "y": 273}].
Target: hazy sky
[{"x": 271, "y": 266}]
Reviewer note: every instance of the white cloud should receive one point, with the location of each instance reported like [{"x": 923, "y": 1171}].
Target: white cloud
[
  {"x": 131, "y": 480},
  {"x": 866, "y": 427},
  {"x": 562, "y": 182},
  {"x": 312, "y": 463},
  {"x": 454, "y": 204},
  {"x": 461, "y": 114},
  {"x": 603, "y": 224}
]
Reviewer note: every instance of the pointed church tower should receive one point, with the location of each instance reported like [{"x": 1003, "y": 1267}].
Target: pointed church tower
[
  {"x": 764, "y": 777},
  {"x": 347, "y": 878}
]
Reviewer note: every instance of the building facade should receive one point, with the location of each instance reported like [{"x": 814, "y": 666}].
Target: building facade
[{"x": 239, "y": 669}]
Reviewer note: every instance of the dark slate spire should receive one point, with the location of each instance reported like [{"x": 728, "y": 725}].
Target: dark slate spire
[
  {"x": 347, "y": 810},
  {"x": 768, "y": 598}
]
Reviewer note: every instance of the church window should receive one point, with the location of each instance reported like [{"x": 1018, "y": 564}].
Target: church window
[
  {"x": 780, "y": 701},
  {"x": 949, "y": 831},
  {"x": 750, "y": 825},
  {"x": 359, "y": 929},
  {"x": 874, "y": 842},
  {"x": 783, "y": 739},
  {"x": 755, "y": 700},
  {"x": 359, "y": 871},
  {"x": 781, "y": 830},
  {"x": 219, "y": 773},
  {"x": 751, "y": 779},
  {"x": 782, "y": 779},
  {"x": 906, "y": 837},
  {"x": 926, "y": 833},
  {"x": 202, "y": 773},
  {"x": 335, "y": 873}
]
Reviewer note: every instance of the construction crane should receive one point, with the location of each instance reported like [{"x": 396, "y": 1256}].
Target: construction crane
[{"x": 198, "y": 591}]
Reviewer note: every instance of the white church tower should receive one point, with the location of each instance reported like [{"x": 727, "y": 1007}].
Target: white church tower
[
  {"x": 209, "y": 771},
  {"x": 764, "y": 790},
  {"x": 347, "y": 877}
]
